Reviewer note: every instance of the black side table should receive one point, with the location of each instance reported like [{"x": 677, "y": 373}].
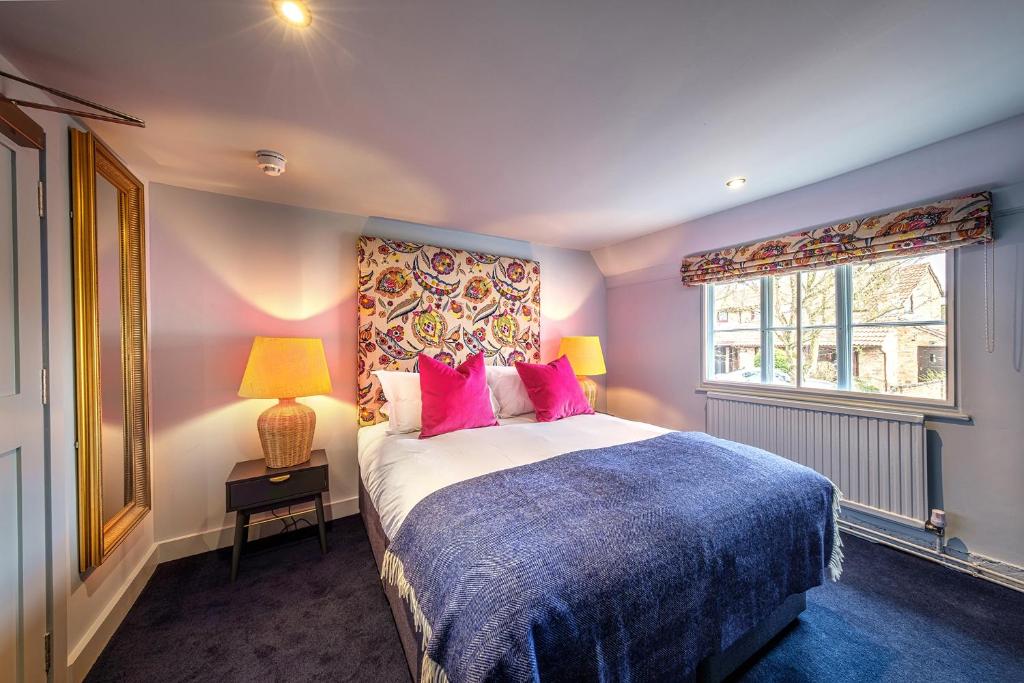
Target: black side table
[{"x": 253, "y": 487}]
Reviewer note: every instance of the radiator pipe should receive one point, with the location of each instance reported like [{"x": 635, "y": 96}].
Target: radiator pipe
[
  {"x": 942, "y": 557},
  {"x": 937, "y": 525}
]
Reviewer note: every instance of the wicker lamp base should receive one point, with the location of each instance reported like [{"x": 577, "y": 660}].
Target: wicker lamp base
[
  {"x": 286, "y": 433},
  {"x": 589, "y": 387}
]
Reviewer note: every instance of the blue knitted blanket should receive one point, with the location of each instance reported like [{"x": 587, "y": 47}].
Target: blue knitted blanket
[{"x": 627, "y": 563}]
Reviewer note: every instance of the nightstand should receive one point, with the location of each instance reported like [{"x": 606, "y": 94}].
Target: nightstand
[{"x": 253, "y": 487}]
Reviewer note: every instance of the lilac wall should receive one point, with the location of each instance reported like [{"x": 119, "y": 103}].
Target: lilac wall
[
  {"x": 654, "y": 322},
  {"x": 225, "y": 269}
]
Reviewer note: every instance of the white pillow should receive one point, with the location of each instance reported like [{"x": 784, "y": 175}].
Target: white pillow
[
  {"x": 508, "y": 390},
  {"x": 402, "y": 393},
  {"x": 404, "y": 400}
]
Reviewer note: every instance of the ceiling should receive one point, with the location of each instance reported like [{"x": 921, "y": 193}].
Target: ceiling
[{"x": 577, "y": 123}]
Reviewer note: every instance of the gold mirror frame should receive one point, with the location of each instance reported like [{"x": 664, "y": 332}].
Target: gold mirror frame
[{"x": 96, "y": 538}]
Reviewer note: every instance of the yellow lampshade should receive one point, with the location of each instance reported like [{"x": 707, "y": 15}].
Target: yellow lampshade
[
  {"x": 584, "y": 353},
  {"x": 285, "y": 367}
]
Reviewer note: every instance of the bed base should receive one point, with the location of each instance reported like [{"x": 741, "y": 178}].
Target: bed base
[
  {"x": 712, "y": 669},
  {"x": 379, "y": 542}
]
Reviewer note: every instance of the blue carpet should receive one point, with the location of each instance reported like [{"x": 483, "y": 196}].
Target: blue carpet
[
  {"x": 296, "y": 616},
  {"x": 899, "y": 618}
]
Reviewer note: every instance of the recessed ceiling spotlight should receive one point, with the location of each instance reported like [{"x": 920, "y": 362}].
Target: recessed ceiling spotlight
[
  {"x": 293, "y": 12},
  {"x": 736, "y": 183}
]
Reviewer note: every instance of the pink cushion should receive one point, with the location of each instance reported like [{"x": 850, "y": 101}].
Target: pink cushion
[
  {"x": 554, "y": 390},
  {"x": 454, "y": 399}
]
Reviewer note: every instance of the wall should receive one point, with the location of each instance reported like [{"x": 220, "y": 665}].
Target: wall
[
  {"x": 654, "y": 322},
  {"x": 225, "y": 269},
  {"x": 85, "y": 610}
]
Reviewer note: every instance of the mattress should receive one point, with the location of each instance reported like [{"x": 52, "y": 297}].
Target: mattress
[{"x": 400, "y": 470}]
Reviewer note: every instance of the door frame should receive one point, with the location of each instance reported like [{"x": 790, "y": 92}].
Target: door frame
[
  {"x": 19, "y": 127},
  {"x": 23, "y": 131}
]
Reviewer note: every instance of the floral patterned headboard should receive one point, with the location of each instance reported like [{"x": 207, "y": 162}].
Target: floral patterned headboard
[{"x": 446, "y": 303}]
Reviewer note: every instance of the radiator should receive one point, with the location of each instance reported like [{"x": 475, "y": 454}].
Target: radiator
[{"x": 876, "y": 458}]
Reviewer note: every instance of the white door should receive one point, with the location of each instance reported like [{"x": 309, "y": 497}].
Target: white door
[{"x": 22, "y": 482}]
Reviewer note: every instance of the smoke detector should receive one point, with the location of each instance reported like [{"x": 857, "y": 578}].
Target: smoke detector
[{"x": 270, "y": 162}]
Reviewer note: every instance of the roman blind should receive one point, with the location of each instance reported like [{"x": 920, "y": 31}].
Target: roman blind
[{"x": 937, "y": 226}]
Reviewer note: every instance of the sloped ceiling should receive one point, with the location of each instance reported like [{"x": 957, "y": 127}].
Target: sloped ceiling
[{"x": 577, "y": 123}]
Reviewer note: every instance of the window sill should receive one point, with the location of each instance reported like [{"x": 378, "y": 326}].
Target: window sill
[{"x": 796, "y": 398}]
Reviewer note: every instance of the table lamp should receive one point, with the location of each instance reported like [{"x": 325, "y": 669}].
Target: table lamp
[
  {"x": 284, "y": 368},
  {"x": 584, "y": 353}
]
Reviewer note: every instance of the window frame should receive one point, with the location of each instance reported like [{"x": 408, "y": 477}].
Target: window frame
[{"x": 949, "y": 407}]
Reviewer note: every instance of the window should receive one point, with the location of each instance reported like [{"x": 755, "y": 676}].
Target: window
[{"x": 876, "y": 328}]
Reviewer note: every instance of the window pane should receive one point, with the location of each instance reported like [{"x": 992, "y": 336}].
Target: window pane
[
  {"x": 897, "y": 335},
  {"x": 819, "y": 368},
  {"x": 904, "y": 360},
  {"x": 907, "y": 289},
  {"x": 737, "y": 304},
  {"x": 818, "y": 297},
  {"x": 784, "y": 350},
  {"x": 737, "y": 356},
  {"x": 784, "y": 301}
]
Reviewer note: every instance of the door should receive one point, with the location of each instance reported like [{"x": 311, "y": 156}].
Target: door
[{"x": 22, "y": 478}]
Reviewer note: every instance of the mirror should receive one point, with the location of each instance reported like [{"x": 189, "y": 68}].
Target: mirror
[
  {"x": 112, "y": 409},
  {"x": 116, "y": 469}
]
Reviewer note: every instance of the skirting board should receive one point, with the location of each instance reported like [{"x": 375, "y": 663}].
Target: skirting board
[
  {"x": 204, "y": 541},
  {"x": 88, "y": 649},
  {"x": 1002, "y": 573},
  {"x": 81, "y": 659}
]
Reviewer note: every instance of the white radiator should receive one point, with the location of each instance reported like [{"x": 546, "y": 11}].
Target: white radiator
[{"x": 876, "y": 458}]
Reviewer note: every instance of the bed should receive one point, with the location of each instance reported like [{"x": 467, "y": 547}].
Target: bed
[
  {"x": 400, "y": 472},
  {"x": 587, "y": 548}
]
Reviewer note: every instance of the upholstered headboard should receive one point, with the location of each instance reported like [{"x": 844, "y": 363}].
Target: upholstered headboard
[{"x": 447, "y": 303}]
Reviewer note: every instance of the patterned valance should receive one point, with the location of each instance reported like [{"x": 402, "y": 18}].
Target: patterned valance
[
  {"x": 937, "y": 226},
  {"x": 446, "y": 303}
]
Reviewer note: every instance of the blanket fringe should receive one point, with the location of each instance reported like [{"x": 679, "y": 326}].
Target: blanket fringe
[
  {"x": 393, "y": 572},
  {"x": 835, "y": 562}
]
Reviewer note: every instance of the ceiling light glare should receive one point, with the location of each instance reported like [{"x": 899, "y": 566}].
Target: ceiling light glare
[{"x": 293, "y": 12}]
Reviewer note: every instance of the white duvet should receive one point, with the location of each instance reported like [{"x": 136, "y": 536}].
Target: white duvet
[{"x": 400, "y": 470}]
